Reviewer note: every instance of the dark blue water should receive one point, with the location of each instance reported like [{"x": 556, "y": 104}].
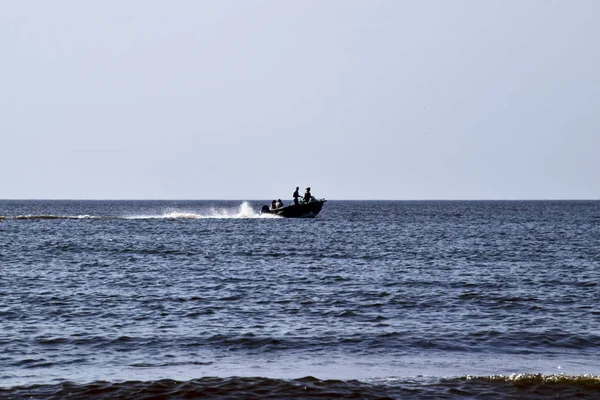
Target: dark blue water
[{"x": 140, "y": 299}]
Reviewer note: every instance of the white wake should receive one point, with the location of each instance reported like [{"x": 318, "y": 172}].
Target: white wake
[{"x": 244, "y": 211}]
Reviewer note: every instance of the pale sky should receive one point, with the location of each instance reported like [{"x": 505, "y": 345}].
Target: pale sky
[{"x": 246, "y": 100}]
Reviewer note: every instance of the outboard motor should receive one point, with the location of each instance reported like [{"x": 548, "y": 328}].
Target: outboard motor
[{"x": 264, "y": 210}]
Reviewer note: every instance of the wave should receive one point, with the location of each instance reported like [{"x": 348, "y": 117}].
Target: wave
[
  {"x": 244, "y": 211},
  {"x": 536, "y": 379},
  {"x": 169, "y": 364},
  {"x": 27, "y": 217},
  {"x": 518, "y": 386},
  {"x": 364, "y": 343}
]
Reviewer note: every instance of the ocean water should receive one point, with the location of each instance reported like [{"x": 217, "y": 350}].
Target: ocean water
[{"x": 385, "y": 299}]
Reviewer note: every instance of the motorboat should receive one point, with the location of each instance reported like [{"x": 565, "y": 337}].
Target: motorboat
[{"x": 300, "y": 210}]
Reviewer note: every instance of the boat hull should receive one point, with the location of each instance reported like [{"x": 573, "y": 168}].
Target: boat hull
[{"x": 305, "y": 210}]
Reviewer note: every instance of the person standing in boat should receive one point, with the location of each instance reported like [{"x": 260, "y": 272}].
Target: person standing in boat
[
  {"x": 296, "y": 195},
  {"x": 307, "y": 195}
]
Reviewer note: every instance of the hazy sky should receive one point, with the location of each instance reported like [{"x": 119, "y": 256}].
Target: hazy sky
[{"x": 246, "y": 100}]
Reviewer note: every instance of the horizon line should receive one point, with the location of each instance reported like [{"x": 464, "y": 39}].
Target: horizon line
[{"x": 266, "y": 199}]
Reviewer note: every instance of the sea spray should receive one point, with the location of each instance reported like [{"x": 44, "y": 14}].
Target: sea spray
[{"x": 246, "y": 211}]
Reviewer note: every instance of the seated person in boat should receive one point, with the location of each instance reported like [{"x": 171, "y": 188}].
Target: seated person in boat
[
  {"x": 307, "y": 195},
  {"x": 273, "y": 205},
  {"x": 279, "y": 203}
]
